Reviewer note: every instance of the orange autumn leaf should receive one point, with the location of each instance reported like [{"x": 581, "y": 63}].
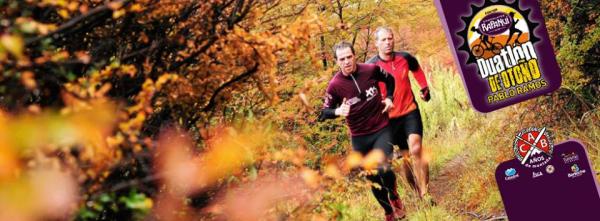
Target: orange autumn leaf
[
  {"x": 83, "y": 57},
  {"x": 331, "y": 170},
  {"x": 373, "y": 159},
  {"x": 9, "y": 163},
  {"x": 304, "y": 100},
  {"x": 310, "y": 177},
  {"x": 115, "y": 5},
  {"x": 353, "y": 160},
  {"x": 28, "y": 79}
]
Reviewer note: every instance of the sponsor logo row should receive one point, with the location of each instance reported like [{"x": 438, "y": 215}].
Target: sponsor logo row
[
  {"x": 511, "y": 173},
  {"x": 568, "y": 158}
]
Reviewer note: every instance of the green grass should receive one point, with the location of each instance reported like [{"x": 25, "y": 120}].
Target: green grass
[
  {"x": 433, "y": 213},
  {"x": 445, "y": 116}
]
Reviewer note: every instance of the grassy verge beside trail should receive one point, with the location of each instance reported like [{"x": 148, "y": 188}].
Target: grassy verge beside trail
[
  {"x": 465, "y": 147},
  {"x": 445, "y": 117}
]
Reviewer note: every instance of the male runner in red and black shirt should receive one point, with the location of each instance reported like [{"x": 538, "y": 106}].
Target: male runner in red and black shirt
[
  {"x": 353, "y": 93},
  {"x": 405, "y": 119}
]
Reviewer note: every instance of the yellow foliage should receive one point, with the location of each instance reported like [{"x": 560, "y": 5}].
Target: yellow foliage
[
  {"x": 13, "y": 44},
  {"x": 64, "y": 13},
  {"x": 353, "y": 160},
  {"x": 118, "y": 13},
  {"x": 228, "y": 152}
]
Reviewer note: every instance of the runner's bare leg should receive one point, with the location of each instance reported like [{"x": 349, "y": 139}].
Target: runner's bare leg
[
  {"x": 408, "y": 170},
  {"x": 421, "y": 166}
]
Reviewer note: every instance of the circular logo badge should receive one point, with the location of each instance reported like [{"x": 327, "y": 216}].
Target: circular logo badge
[
  {"x": 493, "y": 28},
  {"x": 533, "y": 147},
  {"x": 549, "y": 169}
]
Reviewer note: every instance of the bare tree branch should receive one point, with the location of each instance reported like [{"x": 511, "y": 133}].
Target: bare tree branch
[
  {"x": 248, "y": 73},
  {"x": 73, "y": 22}
]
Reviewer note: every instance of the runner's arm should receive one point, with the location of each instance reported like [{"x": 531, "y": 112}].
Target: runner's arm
[
  {"x": 389, "y": 81},
  {"x": 415, "y": 68},
  {"x": 329, "y": 105}
]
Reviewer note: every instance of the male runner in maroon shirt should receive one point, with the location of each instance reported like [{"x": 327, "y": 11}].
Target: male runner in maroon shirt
[
  {"x": 355, "y": 89},
  {"x": 405, "y": 119}
]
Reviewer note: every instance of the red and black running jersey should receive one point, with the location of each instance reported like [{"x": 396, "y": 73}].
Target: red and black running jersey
[{"x": 399, "y": 66}]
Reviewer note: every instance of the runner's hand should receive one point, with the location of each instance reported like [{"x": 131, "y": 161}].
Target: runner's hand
[
  {"x": 343, "y": 110},
  {"x": 388, "y": 104},
  {"x": 425, "y": 94}
]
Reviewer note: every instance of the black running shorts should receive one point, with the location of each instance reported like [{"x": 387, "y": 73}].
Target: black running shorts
[
  {"x": 378, "y": 140},
  {"x": 403, "y": 126}
]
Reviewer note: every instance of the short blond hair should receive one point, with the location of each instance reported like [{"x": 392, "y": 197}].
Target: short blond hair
[{"x": 382, "y": 28}]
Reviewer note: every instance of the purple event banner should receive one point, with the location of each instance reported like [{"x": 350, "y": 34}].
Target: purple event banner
[
  {"x": 502, "y": 50},
  {"x": 565, "y": 188}
]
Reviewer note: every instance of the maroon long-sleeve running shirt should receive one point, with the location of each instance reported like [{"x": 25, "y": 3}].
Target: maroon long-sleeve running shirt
[{"x": 362, "y": 94}]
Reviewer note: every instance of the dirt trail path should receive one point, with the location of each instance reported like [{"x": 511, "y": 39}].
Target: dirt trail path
[
  {"x": 444, "y": 183},
  {"x": 443, "y": 186}
]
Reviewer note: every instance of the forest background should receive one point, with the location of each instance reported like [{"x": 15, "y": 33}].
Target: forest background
[{"x": 201, "y": 110}]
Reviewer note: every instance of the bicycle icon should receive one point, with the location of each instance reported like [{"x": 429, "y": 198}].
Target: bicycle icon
[{"x": 483, "y": 46}]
